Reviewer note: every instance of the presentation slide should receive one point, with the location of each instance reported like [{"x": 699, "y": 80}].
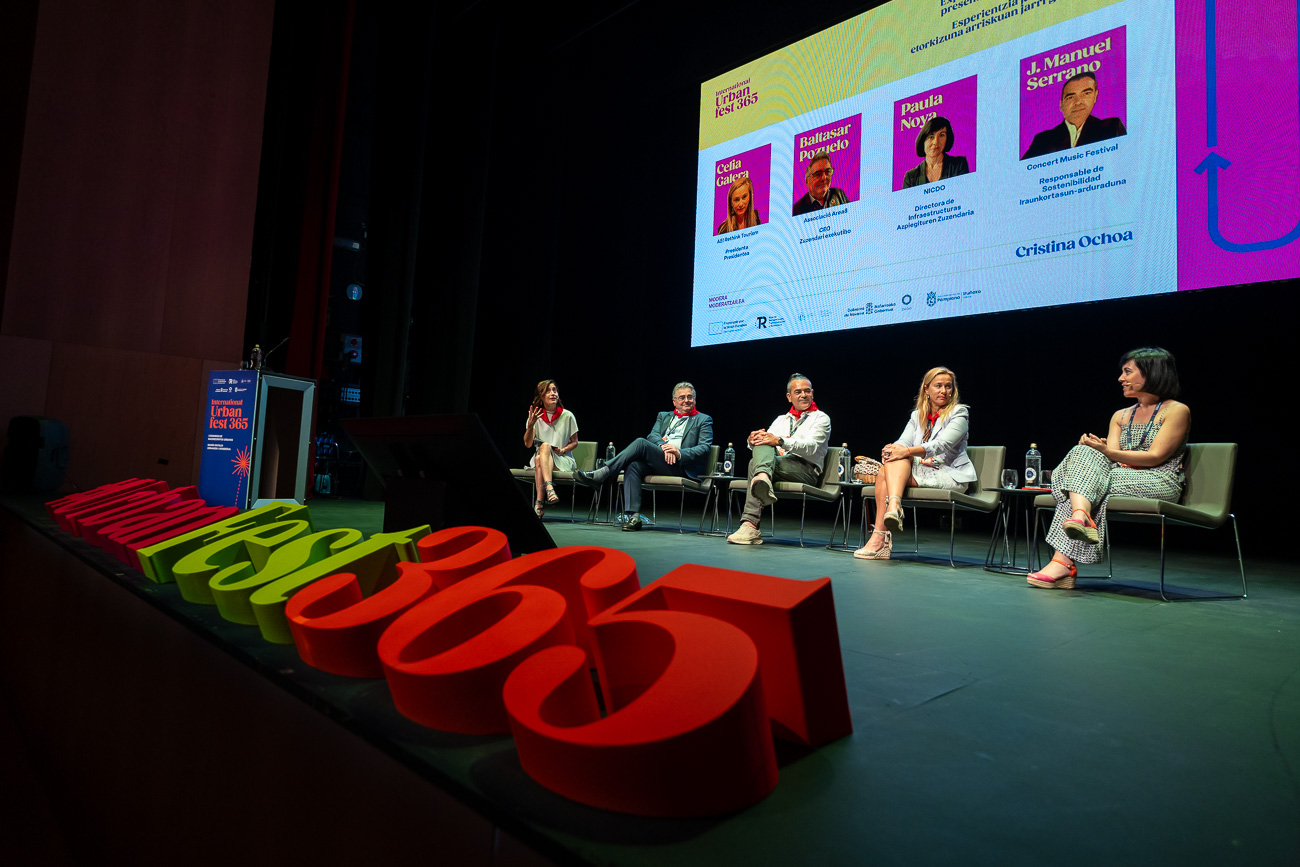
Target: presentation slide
[{"x": 939, "y": 158}]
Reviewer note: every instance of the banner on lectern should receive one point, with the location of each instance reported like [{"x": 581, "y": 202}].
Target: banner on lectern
[{"x": 228, "y": 437}]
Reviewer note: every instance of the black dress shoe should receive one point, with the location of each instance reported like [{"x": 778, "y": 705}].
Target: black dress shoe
[
  {"x": 633, "y": 524},
  {"x": 589, "y": 479}
]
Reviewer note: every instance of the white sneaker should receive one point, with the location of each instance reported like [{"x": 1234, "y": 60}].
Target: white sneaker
[{"x": 746, "y": 534}]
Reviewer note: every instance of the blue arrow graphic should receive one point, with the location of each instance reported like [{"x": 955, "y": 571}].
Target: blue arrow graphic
[{"x": 1213, "y": 163}]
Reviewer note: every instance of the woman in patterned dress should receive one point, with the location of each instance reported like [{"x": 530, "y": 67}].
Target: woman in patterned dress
[{"x": 1141, "y": 456}]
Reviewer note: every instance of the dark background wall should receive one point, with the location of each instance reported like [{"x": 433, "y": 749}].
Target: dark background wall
[
  {"x": 585, "y": 272},
  {"x": 131, "y": 208},
  {"x": 521, "y": 187}
]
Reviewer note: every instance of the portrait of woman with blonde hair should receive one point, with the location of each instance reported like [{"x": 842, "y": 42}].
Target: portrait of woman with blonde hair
[{"x": 741, "y": 212}]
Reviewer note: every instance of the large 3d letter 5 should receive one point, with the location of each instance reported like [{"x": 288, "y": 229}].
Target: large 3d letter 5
[
  {"x": 689, "y": 695},
  {"x": 447, "y": 658}
]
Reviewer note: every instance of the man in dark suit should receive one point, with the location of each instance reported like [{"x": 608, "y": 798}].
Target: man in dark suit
[
  {"x": 1078, "y": 96},
  {"x": 820, "y": 192},
  {"x": 679, "y": 444}
]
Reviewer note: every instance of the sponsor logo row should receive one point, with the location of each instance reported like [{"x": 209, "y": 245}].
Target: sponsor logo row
[{"x": 801, "y": 323}]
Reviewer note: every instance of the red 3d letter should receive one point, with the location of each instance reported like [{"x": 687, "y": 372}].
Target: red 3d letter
[
  {"x": 336, "y": 630},
  {"x": 692, "y": 700},
  {"x": 447, "y": 658}
]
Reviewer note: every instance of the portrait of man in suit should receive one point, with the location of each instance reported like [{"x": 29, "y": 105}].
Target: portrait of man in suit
[{"x": 1079, "y": 127}]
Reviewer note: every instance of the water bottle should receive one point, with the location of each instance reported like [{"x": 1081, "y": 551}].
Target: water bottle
[
  {"x": 1033, "y": 466},
  {"x": 729, "y": 460},
  {"x": 609, "y": 453},
  {"x": 846, "y": 464}
]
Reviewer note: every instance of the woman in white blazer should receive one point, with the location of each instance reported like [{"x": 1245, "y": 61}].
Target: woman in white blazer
[{"x": 930, "y": 453}]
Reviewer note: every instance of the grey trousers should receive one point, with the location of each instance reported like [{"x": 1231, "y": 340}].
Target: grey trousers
[{"x": 779, "y": 469}]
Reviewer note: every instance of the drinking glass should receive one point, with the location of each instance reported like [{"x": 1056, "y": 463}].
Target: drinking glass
[{"x": 1010, "y": 479}]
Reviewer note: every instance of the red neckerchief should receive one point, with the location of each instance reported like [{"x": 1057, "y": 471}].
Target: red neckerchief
[
  {"x": 929, "y": 423},
  {"x": 812, "y": 407},
  {"x": 551, "y": 419},
  {"x": 685, "y": 414}
]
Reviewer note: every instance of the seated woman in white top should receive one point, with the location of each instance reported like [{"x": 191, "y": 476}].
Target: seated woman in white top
[
  {"x": 552, "y": 433},
  {"x": 930, "y": 453}
]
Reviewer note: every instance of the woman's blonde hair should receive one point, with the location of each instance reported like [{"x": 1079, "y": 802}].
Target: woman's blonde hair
[
  {"x": 751, "y": 215},
  {"x": 923, "y": 398}
]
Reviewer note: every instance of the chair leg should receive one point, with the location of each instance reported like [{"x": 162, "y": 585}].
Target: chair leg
[
  {"x": 1110, "y": 551},
  {"x": 1163, "y": 597},
  {"x": 709, "y": 492},
  {"x": 835, "y": 522},
  {"x": 1241, "y": 564},
  {"x": 681, "y": 513},
  {"x": 993, "y": 537},
  {"x": 952, "y": 534},
  {"x": 803, "y": 514},
  {"x": 916, "y": 532}
]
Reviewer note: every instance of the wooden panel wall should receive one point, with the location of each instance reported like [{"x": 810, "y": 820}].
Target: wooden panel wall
[{"x": 133, "y": 224}]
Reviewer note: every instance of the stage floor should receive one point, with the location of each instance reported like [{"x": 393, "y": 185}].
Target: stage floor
[{"x": 994, "y": 723}]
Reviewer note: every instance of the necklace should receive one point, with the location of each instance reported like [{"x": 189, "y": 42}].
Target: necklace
[{"x": 1146, "y": 427}]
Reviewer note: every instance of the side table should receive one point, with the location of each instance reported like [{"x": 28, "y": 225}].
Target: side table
[
  {"x": 849, "y": 491},
  {"x": 1013, "y": 502},
  {"x": 718, "y": 483}
]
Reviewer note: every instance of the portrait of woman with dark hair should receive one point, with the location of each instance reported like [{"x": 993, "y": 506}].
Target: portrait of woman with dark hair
[{"x": 933, "y": 143}]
